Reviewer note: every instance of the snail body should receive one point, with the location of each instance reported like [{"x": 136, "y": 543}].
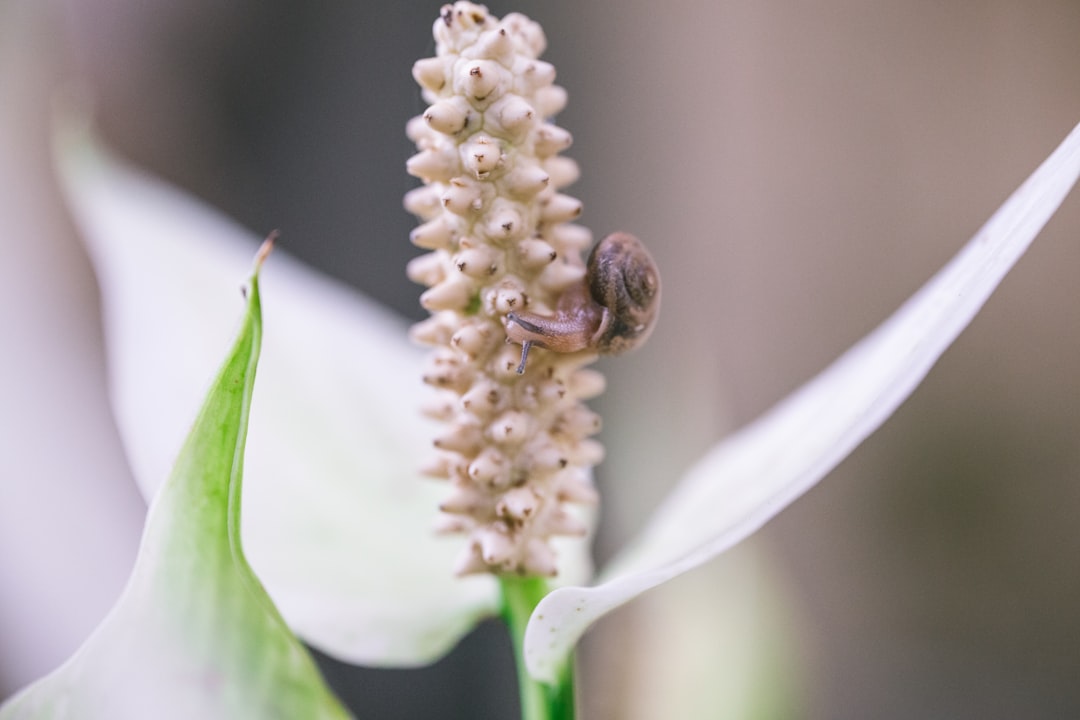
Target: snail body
[{"x": 611, "y": 311}]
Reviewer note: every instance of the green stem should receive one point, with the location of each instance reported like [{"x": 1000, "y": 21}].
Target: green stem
[{"x": 539, "y": 701}]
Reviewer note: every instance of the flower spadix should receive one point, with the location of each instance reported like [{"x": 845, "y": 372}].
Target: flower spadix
[
  {"x": 193, "y": 635},
  {"x": 515, "y": 448}
]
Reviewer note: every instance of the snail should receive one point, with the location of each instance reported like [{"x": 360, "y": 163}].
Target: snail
[{"x": 612, "y": 310}]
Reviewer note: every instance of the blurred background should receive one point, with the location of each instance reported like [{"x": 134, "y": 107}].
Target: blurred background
[{"x": 797, "y": 169}]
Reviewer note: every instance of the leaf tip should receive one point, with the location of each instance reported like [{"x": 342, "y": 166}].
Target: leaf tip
[{"x": 265, "y": 249}]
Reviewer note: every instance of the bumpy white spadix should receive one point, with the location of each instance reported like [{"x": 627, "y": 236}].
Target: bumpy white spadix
[{"x": 515, "y": 448}]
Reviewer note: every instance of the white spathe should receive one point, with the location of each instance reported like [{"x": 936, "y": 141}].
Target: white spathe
[
  {"x": 337, "y": 521},
  {"x": 758, "y": 471}
]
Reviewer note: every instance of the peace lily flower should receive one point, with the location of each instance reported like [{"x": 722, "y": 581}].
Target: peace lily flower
[{"x": 337, "y": 525}]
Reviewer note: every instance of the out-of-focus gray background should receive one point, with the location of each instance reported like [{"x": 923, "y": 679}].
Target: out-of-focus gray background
[{"x": 797, "y": 169}]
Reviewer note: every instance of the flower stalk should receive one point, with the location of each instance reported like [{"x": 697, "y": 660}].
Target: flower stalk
[{"x": 539, "y": 700}]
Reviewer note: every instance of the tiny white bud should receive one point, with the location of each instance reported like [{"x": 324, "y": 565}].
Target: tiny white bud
[
  {"x": 513, "y": 114},
  {"x": 588, "y": 452},
  {"x": 576, "y": 487},
  {"x": 563, "y": 523},
  {"x": 551, "y": 391},
  {"x": 427, "y": 269},
  {"x": 504, "y": 222},
  {"x": 508, "y": 299},
  {"x": 465, "y": 501},
  {"x": 533, "y": 75},
  {"x": 424, "y": 202},
  {"x": 509, "y": 428},
  {"x": 570, "y": 238},
  {"x": 518, "y": 505},
  {"x": 578, "y": 421},
  {"x": 560, "y": 208},
  {"x": 495, "y": 45},
  {"x": 529, "y": 32},
  {"x": 462, "y": 198},
  {"x": 477, "y": 262},
  {"x": 534, "y": 253},
  {"x": 434, "y": 164},
  {"x": 417, "y": 130},
  {"x": 547, "y": 456},
  {"x": 564, "y": 171},
  {"x": 482, "y": 81},
  {"x": 490, "y": 469},
  {"x": 550, "y": 100},
  {"x": 483, "y": 399},
  {"x": 527, "y": 180},
  {"x": 587, "y": 383},
  {"x": 450, "y": 295},
  {"x": 550, "y": 139},
  {"x": 435, "y": 330},
  {"x": 465, "y": 439},
  {"x": 495, "y": 546},
  {"x": 540, "y": 558},
  {"x": 437, "y": 467},
  {"x": 481, "y": 156},
  {"x": 448, "y": 116},
  {"x": 470, "y": 561},
  {"x": 446, "y": 524},
  {"x": 438, "y": 409},
  {"x": 430, "y": 73},
  {"x": 558, "y": 276},
  {"x": 504, "y": 364},
  {"x": 435, "y": 234}
]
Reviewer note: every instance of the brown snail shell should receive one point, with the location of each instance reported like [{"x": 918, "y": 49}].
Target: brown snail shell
[{"x": 612, "y": 311}]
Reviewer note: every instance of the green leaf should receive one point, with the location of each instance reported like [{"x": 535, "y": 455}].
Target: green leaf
[{"x": 193, "y": 635}]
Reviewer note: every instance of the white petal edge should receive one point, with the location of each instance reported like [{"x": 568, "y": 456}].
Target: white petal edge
[
  {"x": 337, "y": 522},
  {"x": 752, "y": 475}
]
